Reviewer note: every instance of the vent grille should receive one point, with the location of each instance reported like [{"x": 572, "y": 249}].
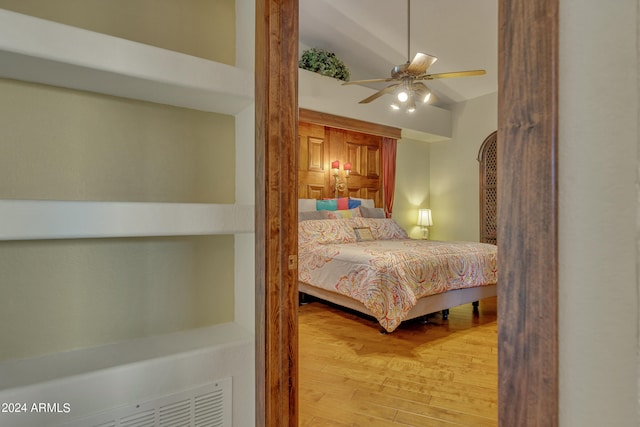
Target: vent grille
[
  {"x": 208, "y": 411},
  {"x": 177, "y": 414},
  {"x": 204, "y": 406}
]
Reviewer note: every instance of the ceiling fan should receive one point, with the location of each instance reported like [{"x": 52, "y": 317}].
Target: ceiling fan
[{"x": 409, "y": 77}]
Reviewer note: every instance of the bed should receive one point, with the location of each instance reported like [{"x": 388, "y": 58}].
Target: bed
[{"x": 369, "y": 264}]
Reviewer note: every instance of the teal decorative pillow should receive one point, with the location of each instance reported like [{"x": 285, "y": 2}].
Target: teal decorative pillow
[{"x": 327, "y": 205}]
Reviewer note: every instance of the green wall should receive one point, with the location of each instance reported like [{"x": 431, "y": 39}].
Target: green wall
[
  {"x": 454, "y": 171},
  {"x": 412, "y": 184},
  {"x": 73, "y": 145},
  {"x": 60, "y": 295},
  {"x": 60, "y": 144},
  {"x": 443, "y": 176}
]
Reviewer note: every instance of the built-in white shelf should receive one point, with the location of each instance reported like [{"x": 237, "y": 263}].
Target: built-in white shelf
[
  {"x": 55, "y": 366},
  {"x": 44, "y": 219},
  {"x": 41, "y": 51}
]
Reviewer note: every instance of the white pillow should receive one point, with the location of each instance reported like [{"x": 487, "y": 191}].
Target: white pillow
[{"x": 306, "y": 205}]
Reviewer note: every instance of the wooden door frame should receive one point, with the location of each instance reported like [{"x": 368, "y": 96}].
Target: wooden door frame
[
  {"x": 527, "y": 211},
  {"x": 276, "y": 216}
]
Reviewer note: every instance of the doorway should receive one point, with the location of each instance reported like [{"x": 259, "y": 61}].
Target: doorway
[{"x": 527, "y": 145}]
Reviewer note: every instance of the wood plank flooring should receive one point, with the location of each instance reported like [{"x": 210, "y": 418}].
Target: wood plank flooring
[{"x": 442, "y": 373}]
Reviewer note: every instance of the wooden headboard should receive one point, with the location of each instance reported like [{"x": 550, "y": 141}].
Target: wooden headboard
[{"x": 324, "y": 138}]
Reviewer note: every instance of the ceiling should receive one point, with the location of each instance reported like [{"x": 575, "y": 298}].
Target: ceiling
[{"x": 370, "y": 37}]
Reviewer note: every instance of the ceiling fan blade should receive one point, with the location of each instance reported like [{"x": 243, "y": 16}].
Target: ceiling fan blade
[
  {"x": 452, "y": 74},
  {"x": 420, "y": 63},
  {"x": 379, "y": 93},
  {"x": 357, "y": 82}
]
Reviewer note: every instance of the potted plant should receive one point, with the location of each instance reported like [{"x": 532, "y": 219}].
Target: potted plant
[{"x": 324, "y": 62}]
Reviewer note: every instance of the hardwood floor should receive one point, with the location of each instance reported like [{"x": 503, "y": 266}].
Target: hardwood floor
[{"x": 442, "y": 373}]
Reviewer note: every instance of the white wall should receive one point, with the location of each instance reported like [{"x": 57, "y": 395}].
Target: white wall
[
  {"x": 245, "y": 243},
  {"x": 454, "y": 170},
  {"x": 598, "y": 207},
  {"x": 412, "y": 184}
]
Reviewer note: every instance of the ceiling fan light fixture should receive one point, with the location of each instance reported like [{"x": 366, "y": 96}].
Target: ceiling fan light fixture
[
  {"x": 411, "y": 105},
  {"x": 423, "y": 94},
  {"x": 409, "y": 76}
]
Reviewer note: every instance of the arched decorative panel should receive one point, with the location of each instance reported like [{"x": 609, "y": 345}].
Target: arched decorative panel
[{"x": 488, "y": 158}]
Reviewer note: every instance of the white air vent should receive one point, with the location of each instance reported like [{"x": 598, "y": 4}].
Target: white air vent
[{"x": 204, "y": 406}]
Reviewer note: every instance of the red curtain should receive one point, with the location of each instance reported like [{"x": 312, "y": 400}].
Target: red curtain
[{"x": 389, "y": 146}]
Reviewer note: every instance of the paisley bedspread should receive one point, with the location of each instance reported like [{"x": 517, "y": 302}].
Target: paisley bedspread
[{"x": 391, "y": 272}]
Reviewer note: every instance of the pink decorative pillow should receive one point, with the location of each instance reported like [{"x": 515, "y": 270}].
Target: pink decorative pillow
[{"x": 343, "y": 203}]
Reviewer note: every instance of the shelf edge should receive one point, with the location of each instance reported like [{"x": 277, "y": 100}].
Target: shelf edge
[
  {"x": 41, "y": 51},
  {"x": 44, "y": 219}
]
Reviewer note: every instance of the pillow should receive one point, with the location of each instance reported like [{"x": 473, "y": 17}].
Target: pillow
[
  {"x": 383, "y": 228},
  {"x": 342, "y": 203},
  {"x": 367, "y": 203},
  {"x": 353, "y": 203},
  {"x": 327, "y": 205},
  {"x": 313, "y": 233},
  {"x": 306, "y": 205},
  {"x": 363, "y": 234},
  {"x": 372, "y": 212},
  {"x": 349, "y": 213},
  {"x": 312, "y": 215}
]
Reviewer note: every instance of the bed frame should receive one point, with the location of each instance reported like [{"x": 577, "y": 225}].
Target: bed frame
[{"x": 426, "y": 305}]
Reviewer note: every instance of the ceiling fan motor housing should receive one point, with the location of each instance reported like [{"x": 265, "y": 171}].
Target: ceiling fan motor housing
[{"x": 399, "y": 71}]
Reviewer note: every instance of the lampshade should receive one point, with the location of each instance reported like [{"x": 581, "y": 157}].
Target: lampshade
[
  {"x": 424, "y": 217},
  {"x": 335, "y": 164}
]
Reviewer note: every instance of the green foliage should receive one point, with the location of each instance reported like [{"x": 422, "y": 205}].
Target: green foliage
[{"x": 324, "y": 62}]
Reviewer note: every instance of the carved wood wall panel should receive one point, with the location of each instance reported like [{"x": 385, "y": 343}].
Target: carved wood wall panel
[
  {"x": 373, "y": 162},
  {"x": 313, "y": 182},
  {"x": 320, "y": 144},
  {"x": 316, "y": 153}
]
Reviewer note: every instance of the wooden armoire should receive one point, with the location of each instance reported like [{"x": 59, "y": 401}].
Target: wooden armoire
[{"x": 488, "y": 158}]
